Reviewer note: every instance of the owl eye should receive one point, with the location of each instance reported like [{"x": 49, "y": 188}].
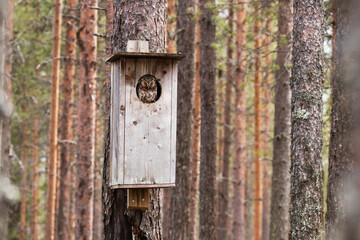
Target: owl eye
[
  {"x": 144, "y": 84},
  {"x": 152, "y": 84}
]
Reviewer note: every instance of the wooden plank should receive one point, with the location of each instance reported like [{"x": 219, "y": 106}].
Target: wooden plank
[
  {"x": 173, "y": 121},
  {"x": 165, "y": 185},
  {"x": 138, "y": 199},
  {"x": 126, "y": 55},
  {"x": 137, "y": 46}
]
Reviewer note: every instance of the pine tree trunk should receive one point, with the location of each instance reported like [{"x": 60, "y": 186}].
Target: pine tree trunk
[
  {"x": 239, "y": 169},
  {"x": 195, "y": 143},
  {"x": 97, "y": 220},
  {"x": 86, "y": 121},
  {"x": 54, "y": 110},
  {"x": 24, "y": 174},
  {"x": 223, "y": 215},
  {"x": 266, "y": 133},
  {"x": 280, "y": 199},
  {"x": 170, "y": 48},
  {"x": 64, "y": 226},
  {"x": 6, "y": 51},
  {"x": 34, "y": 225},
  {"x": 306, "y": 206},
  {"x": 180, "y": 198},
  {"x": 208, "y": 124},
  {"x": 341, "y": 153},
  {"x": 133, "y": 20},
  {"x": 257, "y": 131}
]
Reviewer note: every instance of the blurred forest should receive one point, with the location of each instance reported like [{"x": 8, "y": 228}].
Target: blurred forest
[{"x": 262, "y": 114}]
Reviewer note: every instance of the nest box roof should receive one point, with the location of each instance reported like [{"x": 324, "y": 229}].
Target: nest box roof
[{"x": 120, "y": 55}]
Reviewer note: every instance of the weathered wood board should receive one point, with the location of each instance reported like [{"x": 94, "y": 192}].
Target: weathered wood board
[{"x": 143, "y": 135}]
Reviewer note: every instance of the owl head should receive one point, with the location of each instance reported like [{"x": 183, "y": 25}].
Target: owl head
[{"x": 148, "y": 89}]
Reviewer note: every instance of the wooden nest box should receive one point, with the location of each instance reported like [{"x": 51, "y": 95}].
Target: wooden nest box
[{"x": 143, "y": 118}]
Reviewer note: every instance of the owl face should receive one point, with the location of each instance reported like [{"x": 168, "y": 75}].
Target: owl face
[{"x": 148, "y": 89}]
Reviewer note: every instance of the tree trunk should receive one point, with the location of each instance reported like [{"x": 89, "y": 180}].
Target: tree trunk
[
  {"x": 239, "y": 201},
  {"x": 208, "y": 123},
  {"x": 34, "y": 225},
  {"x": 97, "y": 220},
  {"x": 257, "y": 131},
  {"x": 86, "y": 121},
  {"x": 223, "y": 215},
  {"x": 279, "y": 226},
  {"x": 180, "y": 198},
  {"x": 64, "y": 226},
  {"x": 341, "y": 153},
  {"x": 6, "y": 28},
  {"x": 170, "y": 48},
  {"x": 306, "y": 139},
  {"x": 266, "y": 131},
  {"x": 54, "y": 110},
  {"x": 24, "y": 182},
  {"x": 134, "y": 20},
  {"x": 195, "y": 143}
]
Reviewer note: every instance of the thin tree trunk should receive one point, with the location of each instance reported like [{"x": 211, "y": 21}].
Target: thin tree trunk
[
  {"x": 135, "y": 20},
  {"x": 54, "y": 110},
  {"x": 24, "y": 174},
  {"x": 34, "y": 225},
  {"x": 341, "y": 151},
  {"x": 223, "y": 215},
  {"x": 195, "y": 143},
  {"x": 280, "y": 198},
  {"x": 257, "y": 131},
  {"x": 208, "y": 124},
  {"x": 266, "y": 132},
  {"x": 239, "y": 200},
  {"x": 64, "y": 226},
  {"x": 180, "y": 198},
  {"x": 306, "y": 139},
  {"x": 86, "y": 121},
  {"x": 97, "y": 224}
]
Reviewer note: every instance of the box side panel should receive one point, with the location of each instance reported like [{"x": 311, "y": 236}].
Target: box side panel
[
  {"x": 117, "y": 123},
  {"x": 173, "y": 121}
]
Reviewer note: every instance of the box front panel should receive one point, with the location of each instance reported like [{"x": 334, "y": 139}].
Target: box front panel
[{"x": 148, "y": 140}]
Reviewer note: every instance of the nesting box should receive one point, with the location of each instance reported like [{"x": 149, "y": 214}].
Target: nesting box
[{"x": 143, "y": 119}]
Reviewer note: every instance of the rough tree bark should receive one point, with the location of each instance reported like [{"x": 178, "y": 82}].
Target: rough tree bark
[
  {"x": 279, "y": 226},
  {"x": 54, "y": 112},
  {"x": 180, "y": 198},
  {"x": 208, "y": 124},
  {"x": 64, "y": 225},
  {"x": 86, "y": 121},
  {"x": 223, "y": 215},
  {"x": 341, "y": 152},
  {"x": 195, "y": 143},
  {"x": 238, "y": 203},
  {"x": 133, "y": 20},
  {"x": 306, "y": 204},
  {"x": 257, "y": 130}
]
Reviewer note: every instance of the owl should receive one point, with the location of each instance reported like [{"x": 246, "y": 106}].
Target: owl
[{"x": 148, "y": 89}]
